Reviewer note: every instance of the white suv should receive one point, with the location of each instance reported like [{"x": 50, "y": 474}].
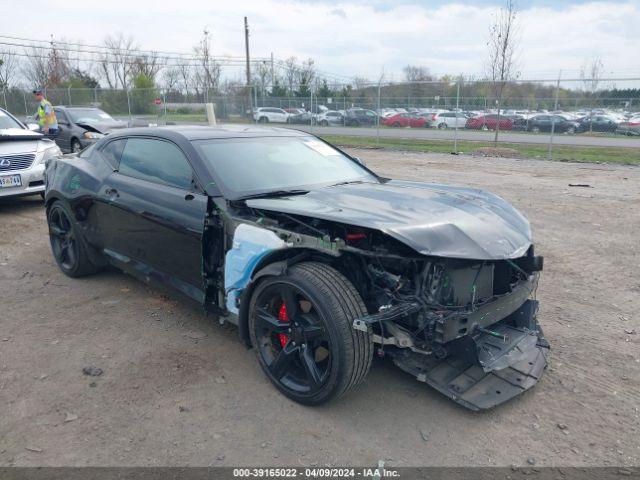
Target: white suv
[
  {"x": 23, "y": 154},
  {"x": 270, "y": 114},
  {"x": 449, "y": 120}
]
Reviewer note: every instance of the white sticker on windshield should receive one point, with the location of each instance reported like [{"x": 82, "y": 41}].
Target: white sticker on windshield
[
  {"x": 321, "y": 148},
  {"x": 104, "y": 115},
  {"x": 2, "y": 114}
]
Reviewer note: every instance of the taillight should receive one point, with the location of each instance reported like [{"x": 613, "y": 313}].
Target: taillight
[{"x": 632, "y": 124}]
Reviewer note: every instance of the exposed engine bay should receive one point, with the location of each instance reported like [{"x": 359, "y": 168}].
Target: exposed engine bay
[{"x": 468, "y": 318}]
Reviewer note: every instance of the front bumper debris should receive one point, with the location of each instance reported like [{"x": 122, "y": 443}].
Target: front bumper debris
[{"x": 483, "y": 371}]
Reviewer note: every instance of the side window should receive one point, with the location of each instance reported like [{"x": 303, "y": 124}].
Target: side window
[
  {"x": 155, "y": 161},
  {"x": 113, "y": 151},
  {"x": 86, "y": 153},
  {"x": 61, "y": 116}
]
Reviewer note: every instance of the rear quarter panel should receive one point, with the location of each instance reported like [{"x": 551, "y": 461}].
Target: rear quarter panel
[{"x": 77, "y": 181}]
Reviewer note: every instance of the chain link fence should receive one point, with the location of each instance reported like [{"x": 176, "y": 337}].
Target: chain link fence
[{"x": 451, "y": 110}]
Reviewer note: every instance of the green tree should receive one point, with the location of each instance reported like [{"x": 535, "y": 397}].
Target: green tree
[
  {"x": 324, "y": 91},
  {"x": 278, "y": 90},
  {"x": 143, "y": 94}
]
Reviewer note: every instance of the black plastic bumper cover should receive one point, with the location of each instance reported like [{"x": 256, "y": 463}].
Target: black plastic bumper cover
[{"x": 496, "y": 372}]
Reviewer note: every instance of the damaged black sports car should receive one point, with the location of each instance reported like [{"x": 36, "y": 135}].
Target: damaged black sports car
[{"x": 320, "y": 262}]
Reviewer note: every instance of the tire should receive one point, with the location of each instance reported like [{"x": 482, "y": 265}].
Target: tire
[
  {"x": 318, "y": 367},
  {"x": 442, "y": 126},
  {"x": 571, "y": 131},
  {"x": 396, "y": 124},
  {"x": 485, "y": 128},
  {"x": 535, "y": 130},
  {"x": 324, "y": 123},
  {"x": 76, "y": 147},
  {"x": 67, "y": 245},
  {"x": 263, "y": 120}
]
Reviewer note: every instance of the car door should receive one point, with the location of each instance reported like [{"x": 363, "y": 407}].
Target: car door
[
  {"x": 64, "y": 133},
  {"x": 155, "y": 215},
  {"x": 279, "y": 115}
]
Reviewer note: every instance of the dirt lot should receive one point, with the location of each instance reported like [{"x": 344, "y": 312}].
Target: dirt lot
[{"x": 179, "y": 389}]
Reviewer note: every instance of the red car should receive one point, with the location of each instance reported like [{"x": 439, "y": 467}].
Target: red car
[
  {"x": 489, "y": 122},
  {"x": 404, "y": 120}
]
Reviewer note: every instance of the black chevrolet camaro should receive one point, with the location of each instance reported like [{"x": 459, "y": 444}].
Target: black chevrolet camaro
[{"x": 319, "y": 261}]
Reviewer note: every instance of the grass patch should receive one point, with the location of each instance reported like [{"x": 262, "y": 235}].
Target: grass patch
[{"x": 561, "y": 153}]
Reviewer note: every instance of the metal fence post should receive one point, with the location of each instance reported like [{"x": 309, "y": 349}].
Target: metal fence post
[
  {"x": 455, "y": 133},
  {"x": 311, "y": 109},
  {"x": 378, "y": 118},
  {"x": 553, "y": 118},
  {"x": 69, "y": 95},
  {"x": 164, "y": 104},
  {"x": 344, "y": 117},
  {"x": 4, "y": 94},
  {"x": 24, "y": 97},
  {"x": 95, "y": 95},
  {"x": 129, "y": 106}
]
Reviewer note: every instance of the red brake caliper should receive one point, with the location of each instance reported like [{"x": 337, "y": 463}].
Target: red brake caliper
[{"x": 283, "y": 317}]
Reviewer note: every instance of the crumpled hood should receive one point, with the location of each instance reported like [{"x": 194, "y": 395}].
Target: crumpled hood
[
  {"x": 102, "y": 127},
  {"x": 438, "y": 220}
]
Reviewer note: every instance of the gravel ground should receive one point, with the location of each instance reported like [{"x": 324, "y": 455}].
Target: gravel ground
[{"x": 178, "y": 389}]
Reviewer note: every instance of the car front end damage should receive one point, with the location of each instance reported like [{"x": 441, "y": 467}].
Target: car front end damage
[{"x": 465, "y": 326}]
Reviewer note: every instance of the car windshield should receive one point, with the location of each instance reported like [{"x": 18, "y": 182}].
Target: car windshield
[
  {"x": 6, "y": 121},
  {"x": 94, "y": 115},
  {"x": 261, "y": 164}
]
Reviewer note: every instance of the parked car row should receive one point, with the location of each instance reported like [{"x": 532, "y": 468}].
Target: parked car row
[{"x": 520, "y": 120}]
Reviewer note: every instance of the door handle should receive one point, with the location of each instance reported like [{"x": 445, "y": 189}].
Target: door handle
[
  {"x": 112, "y": 192},
  {"x": 189, "y": 197}
]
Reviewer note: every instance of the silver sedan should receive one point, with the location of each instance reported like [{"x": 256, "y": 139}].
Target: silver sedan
[{"x": 23, "y": 154}]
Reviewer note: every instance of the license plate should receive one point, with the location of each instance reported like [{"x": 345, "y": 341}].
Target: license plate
[{"x": 10, "y": 181}]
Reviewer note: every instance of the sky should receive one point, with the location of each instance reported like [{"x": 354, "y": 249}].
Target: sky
[{"x": 356, "y": 37}]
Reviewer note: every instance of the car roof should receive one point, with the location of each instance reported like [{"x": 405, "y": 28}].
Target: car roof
[
  {"x": 197, "y": 132},
  {"x": 73, "y": 107}
]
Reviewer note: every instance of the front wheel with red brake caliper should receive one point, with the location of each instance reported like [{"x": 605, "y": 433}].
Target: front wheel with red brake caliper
[{"x": 300, "y": 325}]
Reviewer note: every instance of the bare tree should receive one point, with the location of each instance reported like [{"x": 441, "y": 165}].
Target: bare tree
[
  {"x": 501, "y": 61},
  {"x": 148, "y": 65},
  {"x": 185, "y": 77},
  {"x": 8, "y": 67},
  {"x": 306, "y": 74},
  {"x": 262, "y": 77},
  {"x": 207, "y": 70},
  {"x": 590, "y": 74},
  {"x": 413, "y": 73},
  {"x": 116, "y": 64},
  {"x": 36, "y": 70},
  {"x": 291, "y": 73},
  {"x": 171, "y": 78},
  {"x": 58, "y": 66}
]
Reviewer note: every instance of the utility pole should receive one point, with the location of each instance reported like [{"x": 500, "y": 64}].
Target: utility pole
[{"x": 246, "y": 45}]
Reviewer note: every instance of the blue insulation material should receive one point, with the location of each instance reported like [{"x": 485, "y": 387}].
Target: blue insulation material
[{"x": 250, "y": 245}]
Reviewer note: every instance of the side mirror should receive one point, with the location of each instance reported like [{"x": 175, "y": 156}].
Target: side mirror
[
  {"x": 34, "y": 127},
  {"x": 360, "y": 161}
]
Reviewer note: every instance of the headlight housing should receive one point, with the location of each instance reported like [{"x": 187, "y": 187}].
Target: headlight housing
[
  {"x": 46, "y": 152},
  {"x": 93, "y": 135}
]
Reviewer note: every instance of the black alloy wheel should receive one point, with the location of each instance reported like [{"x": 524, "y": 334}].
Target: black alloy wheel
[
  {"x": 75, "y": 146},
  {"x": 301, "y": 329},
  {"x": 68, "y": 248}
]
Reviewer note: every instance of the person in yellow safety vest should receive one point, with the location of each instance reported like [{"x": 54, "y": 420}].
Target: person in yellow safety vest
[{"x": 45, "y": 115}]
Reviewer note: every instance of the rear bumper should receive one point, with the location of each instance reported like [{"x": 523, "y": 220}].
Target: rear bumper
[
  {"x": 484, "y": 371},
  {"x": 32, "y": 182}
]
